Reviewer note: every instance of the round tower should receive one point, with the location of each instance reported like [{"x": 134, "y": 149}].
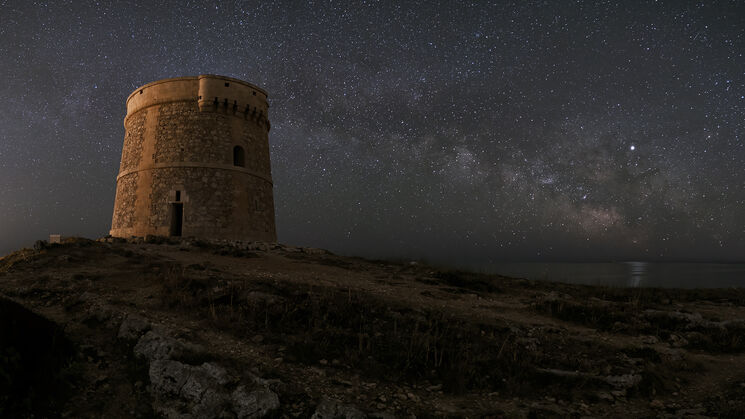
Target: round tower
[{"x": 195, "y": 161}]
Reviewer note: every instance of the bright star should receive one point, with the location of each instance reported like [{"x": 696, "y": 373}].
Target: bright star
[{"x": 632, "y": 148}]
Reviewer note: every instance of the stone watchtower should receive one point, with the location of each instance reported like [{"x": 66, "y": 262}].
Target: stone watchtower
[{"x": 195, "y": 161}]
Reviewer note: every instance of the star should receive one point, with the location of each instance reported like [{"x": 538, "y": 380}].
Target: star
[{"x": 406, "y": 129}]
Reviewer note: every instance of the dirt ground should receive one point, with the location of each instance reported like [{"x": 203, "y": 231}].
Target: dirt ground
[{"x": 377, "y": 337}]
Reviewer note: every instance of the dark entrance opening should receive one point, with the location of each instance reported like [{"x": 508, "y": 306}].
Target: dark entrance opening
[
  {"x": 239, "y": 156},
  {"x": 177, "y": 218}
]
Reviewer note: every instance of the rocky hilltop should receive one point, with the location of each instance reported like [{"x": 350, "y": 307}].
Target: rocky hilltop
[{"x": 188, "y": 328}]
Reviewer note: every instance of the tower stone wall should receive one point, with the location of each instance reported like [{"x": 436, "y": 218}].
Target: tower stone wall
[{"x": 195, "y": 161}]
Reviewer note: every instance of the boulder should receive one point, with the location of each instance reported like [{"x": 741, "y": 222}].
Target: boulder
[
  {"x": 154, "y": 345},
  {"x": 199, "y": 390}
]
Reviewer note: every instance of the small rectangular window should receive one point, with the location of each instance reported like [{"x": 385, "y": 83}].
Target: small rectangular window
[
  {"x": 140, "y": 91},
  {"x": 227, "y": 84},
  {"x": 178, "y": 195},
  {"x": 254, "y": 93}
]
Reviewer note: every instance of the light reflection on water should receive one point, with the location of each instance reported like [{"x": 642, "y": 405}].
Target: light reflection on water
[
  {"x": 630, "y": 274},
  {"x": 637, "y": 272}
]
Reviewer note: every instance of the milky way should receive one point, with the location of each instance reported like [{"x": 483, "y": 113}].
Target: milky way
[{"x": 460, "y": 133}]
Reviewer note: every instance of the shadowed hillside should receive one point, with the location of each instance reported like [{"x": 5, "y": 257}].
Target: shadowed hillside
[{"x": 156, "y": 327}]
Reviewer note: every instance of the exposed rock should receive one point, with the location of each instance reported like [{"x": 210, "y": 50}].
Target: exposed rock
[
  {"x": 273, "y": 384},
  {"x": 253, "y": 404},
  {"x": 155, "y": 345},
  {"x": 649, "y": 340},
  {"x": 334, "y": 409},
  {"x": 687, "y": 320},
  {"x": 291, "y": 249},
  {"x": 168, "y": 377},
  {"x": 314, "y": 251},
  {"x": 678, "y": 341},
  {"x": 133, "y": 327},
  {"x": 201, "y": 390},
  {"x": 218, "y": 373}
]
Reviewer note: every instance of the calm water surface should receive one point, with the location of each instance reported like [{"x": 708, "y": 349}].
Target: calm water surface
[{"x": 631, "y": 274}]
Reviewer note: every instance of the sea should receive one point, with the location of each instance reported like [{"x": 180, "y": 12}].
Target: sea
[{"x": 630, "y": 274}]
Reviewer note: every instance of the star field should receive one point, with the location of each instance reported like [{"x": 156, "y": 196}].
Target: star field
[{"x": 457, "y": 132}]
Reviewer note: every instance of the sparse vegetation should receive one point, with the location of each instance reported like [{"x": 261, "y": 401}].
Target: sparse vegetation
[
  {"x": 401, "y": 337},
  {"x": 361, "y": 331},
  {"x": 381, "y": 340}
]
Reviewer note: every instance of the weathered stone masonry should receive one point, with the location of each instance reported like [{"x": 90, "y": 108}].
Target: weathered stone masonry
[{"x": 195, "y": 161}]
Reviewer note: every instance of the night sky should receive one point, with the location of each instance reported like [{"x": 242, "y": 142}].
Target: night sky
[{"x": 460, "y": 133}]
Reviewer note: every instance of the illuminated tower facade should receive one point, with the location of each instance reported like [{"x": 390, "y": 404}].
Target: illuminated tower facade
[{"x": 195, "y": 161}]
